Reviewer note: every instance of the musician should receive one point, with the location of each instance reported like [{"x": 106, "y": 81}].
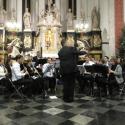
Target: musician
[
  {"x": 106, "y": 59},
  {"x": 115, "y": 75},
  {"x": 101, "y": 77},
  {"x": 88, "y": 77},
  {"x": 68, "y": 56},
  {"x": 3, "y": 73},
  {"x": 48, "y": 75},
  {"x": 33, "y": 73},
  {"x": 88, "y": 62},
  {"x": 18, "y": 75},
  {"x": 37, "y": 62},
  {"x": 8, "y": 66}
]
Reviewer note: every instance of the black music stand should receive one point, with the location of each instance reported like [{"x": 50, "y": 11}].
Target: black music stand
[
  {"x": 101, "y": 71},
  {"x": 100, "y": 68},
  {"x": 89, "y": 77},
  {"x": 89, "y": 68}
]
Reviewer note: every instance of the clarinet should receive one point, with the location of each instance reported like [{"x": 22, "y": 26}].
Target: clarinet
[
  {"x": 25, "y": 69},
  {"x": 35, "y": 70}
]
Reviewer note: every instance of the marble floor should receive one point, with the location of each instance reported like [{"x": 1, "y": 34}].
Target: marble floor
[{"x": 85, "y": 110}]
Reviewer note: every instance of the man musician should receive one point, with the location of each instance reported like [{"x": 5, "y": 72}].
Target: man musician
[
  {"x": 48, "y": 75},
  {"x": 88, "y": 77},
  {"x": 18, "y": 75},
  {"x": 35, "y": 76},
  {"x": 3, "y": 73}
]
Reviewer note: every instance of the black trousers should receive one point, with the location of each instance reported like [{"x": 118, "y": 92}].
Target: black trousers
[
  {"x": 5, "y": 82},
  {"x": 113, "y": 86},
  {"x": 89, "y": 82},
  {"x": 37, "y": 86},
  {"x": 102, "y": 83},
  {"x": 49, "y": 82},
  {"x": 68, "y": 87},
  {"x": 80, "y": 80}
]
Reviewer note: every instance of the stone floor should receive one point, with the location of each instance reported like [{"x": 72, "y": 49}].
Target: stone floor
[{"x": 84, "y": 110}]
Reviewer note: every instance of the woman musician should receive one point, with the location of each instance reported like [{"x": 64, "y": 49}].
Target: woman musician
[
  {"x": 115, "y": 75},
  {"x": 33, "y": 73}
]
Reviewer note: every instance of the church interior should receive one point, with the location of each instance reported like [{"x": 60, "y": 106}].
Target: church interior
[{"x": 62, "y": 62}]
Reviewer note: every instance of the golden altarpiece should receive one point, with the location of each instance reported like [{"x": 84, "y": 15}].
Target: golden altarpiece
[{"x": 50, "y": 30}]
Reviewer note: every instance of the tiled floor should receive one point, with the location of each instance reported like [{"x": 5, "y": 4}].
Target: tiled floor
[{"x": 84, "y": 110}]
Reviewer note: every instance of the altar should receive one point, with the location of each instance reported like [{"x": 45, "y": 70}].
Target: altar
[{"x": 50, "y": 31}]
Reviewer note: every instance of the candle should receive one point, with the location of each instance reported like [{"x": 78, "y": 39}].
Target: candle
[{"x": 3, "y": 40}]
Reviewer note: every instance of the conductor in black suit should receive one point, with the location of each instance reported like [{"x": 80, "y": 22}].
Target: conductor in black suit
[{"x": 68, "y": 56}]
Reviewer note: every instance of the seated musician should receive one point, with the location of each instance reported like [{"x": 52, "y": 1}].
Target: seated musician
[
  {"x": 101, "y": 77},
  {"x": 3, "y": 73},
  {"x": 88, "y": 78},
  {"x": 115, "y": 75},
  {"x": 48, "y": 75},
  {"x": 37, "y": 60},
  {"x": 18, "y": 75},
  {"x": 34, "y": 74},
  {"x": 88, "y": 62}
]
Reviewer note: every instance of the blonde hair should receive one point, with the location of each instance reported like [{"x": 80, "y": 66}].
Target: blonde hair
[{"x": 69, "y": 41}]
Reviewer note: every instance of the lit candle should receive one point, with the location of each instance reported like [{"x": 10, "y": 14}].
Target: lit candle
[{"x": 3, "y": 39}]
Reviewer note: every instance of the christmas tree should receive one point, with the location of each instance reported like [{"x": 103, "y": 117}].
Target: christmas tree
[{"x": 122, "y": 43}]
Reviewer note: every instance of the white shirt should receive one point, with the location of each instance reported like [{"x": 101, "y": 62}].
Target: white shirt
[
  {"x": 48, "y": 73},
  {"x": 16, "y": 72},
  {"x": 2, "y": 72},
  {"x": 88, "y": 63}
]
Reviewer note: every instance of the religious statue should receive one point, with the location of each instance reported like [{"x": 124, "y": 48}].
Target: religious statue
[
  {"x": 82, "y": 14},
  {"x": 13, "y": 15},
  {"x": 27, "y": 19},
  {"x": 69, "y": 18},
  {"x": 95, "y": 19},
  {"x": 49, "y": 37},
  {"x": 56, "y": 14},
  {"x": 3, "y": 16}
]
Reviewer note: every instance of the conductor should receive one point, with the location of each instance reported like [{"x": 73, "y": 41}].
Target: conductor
[{"x": 68, "y": 56}]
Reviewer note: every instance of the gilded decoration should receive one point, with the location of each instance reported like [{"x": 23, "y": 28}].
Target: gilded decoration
[
  {"x": 49, "y": 40},
  {"x": 27, "y": 41}
]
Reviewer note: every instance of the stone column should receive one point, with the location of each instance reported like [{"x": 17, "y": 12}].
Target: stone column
[
  {"x": 79, "y": 8},
  {"x": 58, "y": 4},
  {"x": 8, "y": 8},
  {"x": 19, "y": 14},
  {"x": 1, "y": 3},
  {"x": 107, "y": 23},
  {"x": 41, "y": 5},
  {"x": 33, "y": 14},
  {"x": 64, "y": 10}
]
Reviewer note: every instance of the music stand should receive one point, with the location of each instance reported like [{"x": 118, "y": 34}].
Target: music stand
[
  {"x": 101, "y": 71},
  {"x": 89, "y": 77},
  {"x": 89, "y": 68}
]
